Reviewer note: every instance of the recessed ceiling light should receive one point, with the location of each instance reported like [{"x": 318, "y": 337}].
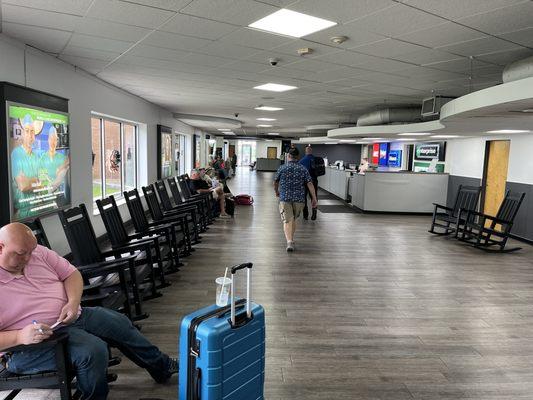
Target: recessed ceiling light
[
  {"x": 445, "y": 136},
  {"x": 414, "y": 134},
  {"x": 273, "y": 133},
  {"x": 331, "y": 142},
  {"x": 348, "y": 141},
  {"x": 264, "y": 126},
  {"x": 268, "y": 108},
  {"x": 275, "y": 87},
  {"x": 509, "y": 131},
  {"x": 406, "y": 139},
  {"x": 291, "y": 23},
  {"x": 372, "y": 138},
  {"x": 223, "y": 129},
  {"x": 266, "y": 119},
  {"x": 230, "y": 133}
]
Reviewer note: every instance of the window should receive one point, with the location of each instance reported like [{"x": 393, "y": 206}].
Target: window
[{"x": 114, "y": 155}]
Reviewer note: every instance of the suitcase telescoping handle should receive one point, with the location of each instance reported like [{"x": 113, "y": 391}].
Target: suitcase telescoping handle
[{"x": 234, "y": 269}]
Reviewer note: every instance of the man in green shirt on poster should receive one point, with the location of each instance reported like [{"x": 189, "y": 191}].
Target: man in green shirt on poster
[
  {"x": 25, "y": 169},
  {"x": 53, "y": 163}
]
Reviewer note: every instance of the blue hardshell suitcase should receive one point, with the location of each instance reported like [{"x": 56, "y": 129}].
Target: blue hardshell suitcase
[{"x": 222, "y": 350}]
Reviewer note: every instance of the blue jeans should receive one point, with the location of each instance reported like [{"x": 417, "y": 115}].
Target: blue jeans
[{"x": 87, "y": 345}]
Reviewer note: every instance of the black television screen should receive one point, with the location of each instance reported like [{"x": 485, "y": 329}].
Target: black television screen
[{"x": 39, "y": 161}]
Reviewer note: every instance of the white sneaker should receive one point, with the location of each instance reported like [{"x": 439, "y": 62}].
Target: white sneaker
[
  {"x": 224, "y": 216},
  {"x": 290, "y": 246}
]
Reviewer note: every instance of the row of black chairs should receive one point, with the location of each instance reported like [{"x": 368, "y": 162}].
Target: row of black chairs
[
  {"x": 132, "y": 269},
  {"x": 483, "y": 231}
]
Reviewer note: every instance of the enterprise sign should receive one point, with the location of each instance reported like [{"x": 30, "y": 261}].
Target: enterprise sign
[{"x": 427, "y": 151}]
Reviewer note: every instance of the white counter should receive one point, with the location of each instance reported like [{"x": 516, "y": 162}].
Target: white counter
[
  {"x": 398, "y": 191},
  {"x": 335, "y": 181}
]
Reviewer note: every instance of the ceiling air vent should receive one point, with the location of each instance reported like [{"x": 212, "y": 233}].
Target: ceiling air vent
[{"x": 432, "y": 105}]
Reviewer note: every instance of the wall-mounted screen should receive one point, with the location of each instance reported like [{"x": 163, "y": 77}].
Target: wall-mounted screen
[
  {"x": 430, "y": 151},
  {"x": 39, "y": 161},
  {"x": 395, "y": 158},
  {"x": 383, "y": 154}
]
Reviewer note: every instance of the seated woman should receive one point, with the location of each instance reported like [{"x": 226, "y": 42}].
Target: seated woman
[{"x": 199, "y": 185}]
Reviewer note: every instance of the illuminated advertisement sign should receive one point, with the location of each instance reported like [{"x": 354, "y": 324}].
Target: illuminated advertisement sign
[
  {"x": 395, "y": 158},
  {"x": 383, "y": 154},
  {"x": 375, "y": 153},
  {"x": 430, "y": 151}
]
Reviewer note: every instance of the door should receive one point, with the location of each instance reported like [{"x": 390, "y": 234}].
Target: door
[
  {"x": 495, "y": 175},
  {"x": 246, "y": 156},
  {"x": 272, "y": 152}
]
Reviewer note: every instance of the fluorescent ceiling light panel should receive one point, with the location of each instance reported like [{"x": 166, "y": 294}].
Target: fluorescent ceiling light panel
[
  {"x": 273, "y": 133},
  {"x": 445, "y": 136},
  {"x": 275, "y": 87},
  {"x": 264, "y": 126},
  {"x": 230, "y": 133},
  {"x": 348, "y": 141},
  {"x": 268, "y": 108},
  {"x": 509, "y": 131},
  {"x": 406, "y": 139},
  {"x": 372, "y": 138},
  {"x": 414, "y": 134},
  {"x": 266, "y": 119},
  {"x": 331, "y": 142},
  {"x": 223, "y": 129},
  {"x": 291, "y": 23}
]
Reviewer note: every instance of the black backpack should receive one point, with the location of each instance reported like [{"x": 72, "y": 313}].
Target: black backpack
[{"x": 318, "y": 167}]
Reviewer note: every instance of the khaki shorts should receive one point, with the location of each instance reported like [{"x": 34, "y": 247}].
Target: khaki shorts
[{"x": 290, "y": 211}]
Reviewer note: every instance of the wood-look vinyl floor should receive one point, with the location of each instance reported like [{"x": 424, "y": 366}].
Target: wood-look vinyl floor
[{"x": 367, "y": 307}]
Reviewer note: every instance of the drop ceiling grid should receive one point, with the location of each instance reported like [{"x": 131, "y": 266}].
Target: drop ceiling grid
[{"x": 212, "y": 50}]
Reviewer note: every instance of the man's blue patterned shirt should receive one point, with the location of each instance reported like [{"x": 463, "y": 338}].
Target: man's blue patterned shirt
[{"x": 292, "y": 178}]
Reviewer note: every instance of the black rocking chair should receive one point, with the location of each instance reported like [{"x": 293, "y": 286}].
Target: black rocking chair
[
  {"x": 485, "y": 232},
  {"x": 448, "y": 218}
]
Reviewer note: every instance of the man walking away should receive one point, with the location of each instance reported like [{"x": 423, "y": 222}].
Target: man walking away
[
  {"x": 309, "y": 163},
  {"x": 290, "y": 183}
]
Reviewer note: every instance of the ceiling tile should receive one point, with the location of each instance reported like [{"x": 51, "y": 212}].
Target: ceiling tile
[
  {"x": 387, "y": 48},
  {"x": 172, "y": 5},
  {"x": 48, "y": 40},
  {"x": 426, "y": 56},
  {"x": 340, "y": 11},
  {"x": 523, "y": 37},
  {"x": 90, "y": 65},
  {"x": 198, "y": 27},
  {"x": 455, "y": 9},
  {"x": 459, "y": 65},
  {"x": 442, "y": 35},
  {"x": 98, "y": 27},
  {"x": 204, "y": 59},
  {"x": 291, "y": 48},
  {"x": 74, "y": 7},
  {"x": 503, "y": 20},
  {"x": 356, "y": 36},
  {"x": 312, "y": 65},
  {"x": 479, "y": 46},
  {"x": 506, "y": 57},
  {"x": 45, "y": 19},
  {"x": 245, "y": 66},
  {"x": 237, "y": 12},
  {"x": 128, "y": 13},
  {"x": 255, "y": 39},
  {"x": 347, "y": 58},
  {"x": 99, "y": 43},
  {"x": 227, "y": 50},
  {"x": 158, "y": 53},
  {"x": 174, "y": 41},
  {"x": 101, "y": 55},
  {"x": 263, "y": 57},
  {"x": 385, "y": 65},
  {"x": 398, "y": 20}
]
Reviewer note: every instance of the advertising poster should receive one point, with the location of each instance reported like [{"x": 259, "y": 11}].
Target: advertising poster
[
  {"x": 39, "y": 161},
  {"x": 430, "y": 151},
  {"x": 395, "y": 158},
  {"x": 166, "y": 155},
  {"x": 375, "y": 153},
  {"x": 383, "y": 154}
]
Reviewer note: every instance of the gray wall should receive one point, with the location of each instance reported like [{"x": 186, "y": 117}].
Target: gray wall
[{"x": 349, "y": 153}]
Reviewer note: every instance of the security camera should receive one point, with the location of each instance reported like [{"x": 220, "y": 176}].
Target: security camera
[
  {"x": 236, "y": 115},
  {"x": 273, "y": 61}
]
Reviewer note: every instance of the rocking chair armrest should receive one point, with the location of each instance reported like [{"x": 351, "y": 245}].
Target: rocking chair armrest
[
  {"x": 137, "y": 241},
  {"x": 437, "y": 206},
  {"x": 103, "y": 268},
  {"x": 52, "y": 341},
  {"x": 496, "y": 220},
  {"x": 161, "y": 230},
  {"x": 118, "y": 250}
]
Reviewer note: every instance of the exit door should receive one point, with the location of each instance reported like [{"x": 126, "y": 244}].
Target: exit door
[{"x": 495, "y": 174}]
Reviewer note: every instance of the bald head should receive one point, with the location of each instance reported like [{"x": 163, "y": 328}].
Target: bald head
[
  {"x": 17, "y": 242},
  {"x": 308, "y": 150}
]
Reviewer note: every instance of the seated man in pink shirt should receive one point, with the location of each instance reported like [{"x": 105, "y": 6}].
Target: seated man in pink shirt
[{"x": 38, "y": 288}]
